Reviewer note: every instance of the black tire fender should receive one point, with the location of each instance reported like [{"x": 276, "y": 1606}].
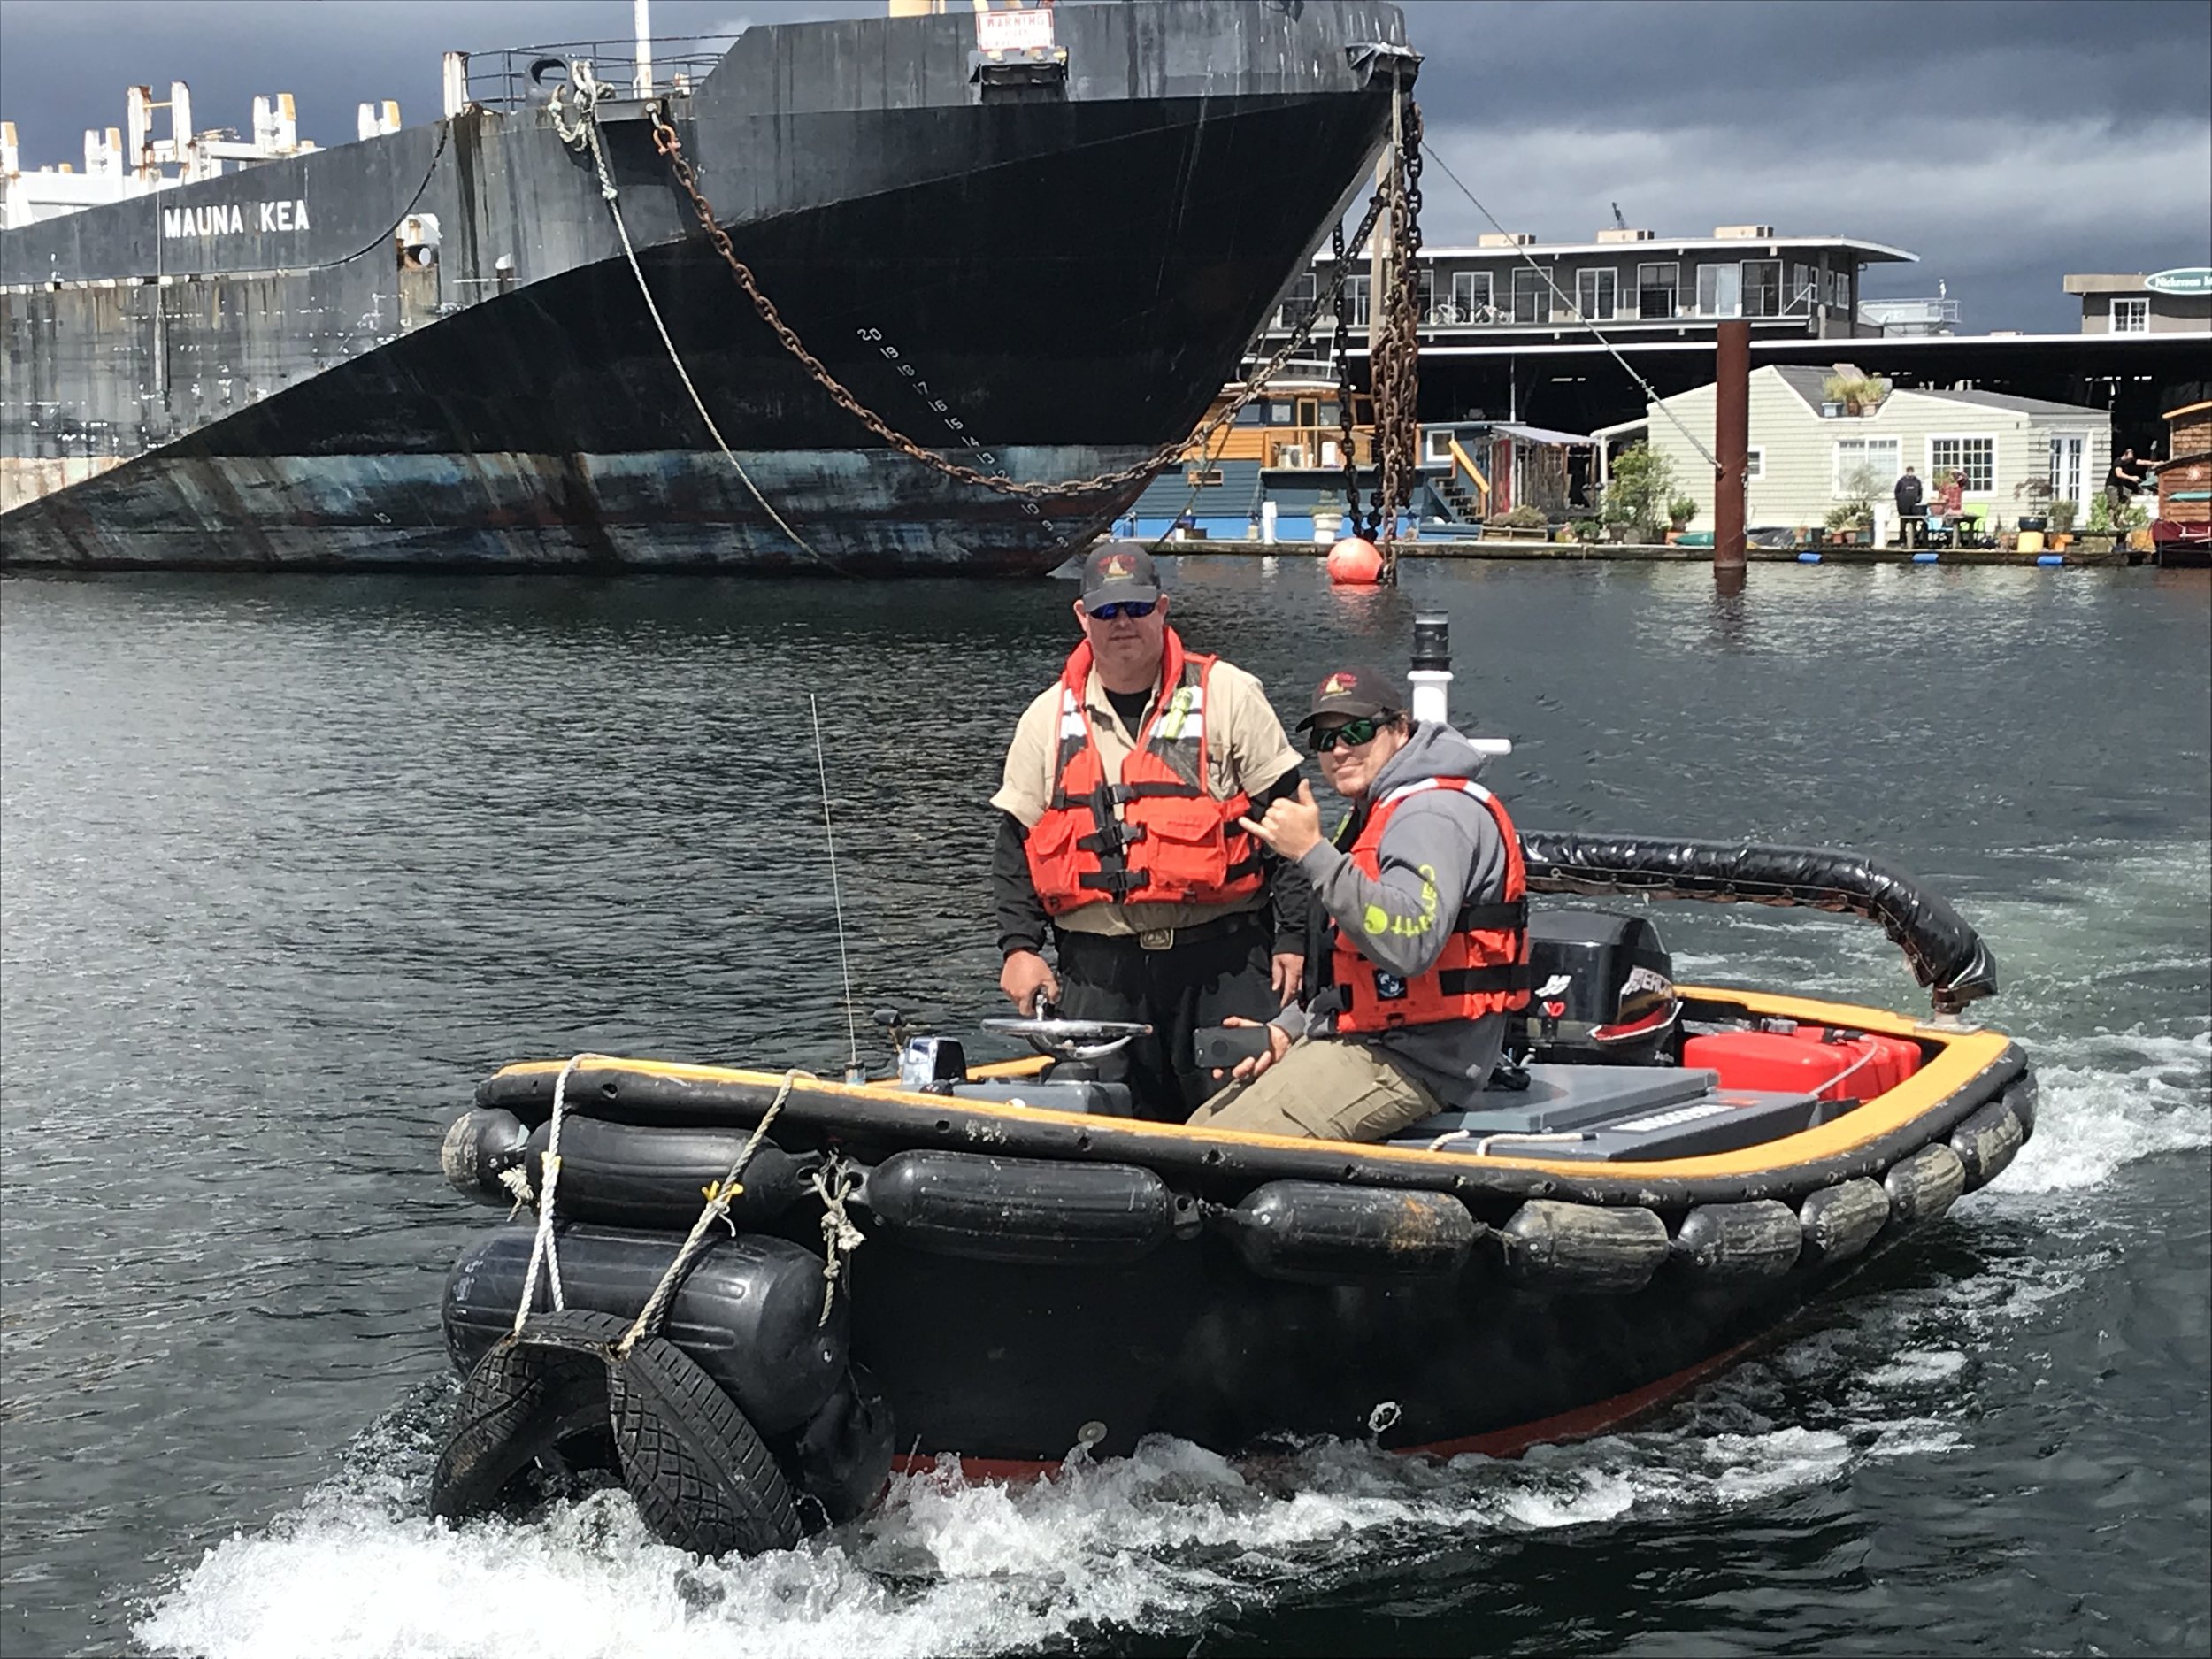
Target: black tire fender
[
  {"x": 527, "y": 1394},
  {"x": 702, "y": 1477}
]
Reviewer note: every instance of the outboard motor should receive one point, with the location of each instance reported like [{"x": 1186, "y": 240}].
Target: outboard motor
[{"x": 1617, "y": 1005}]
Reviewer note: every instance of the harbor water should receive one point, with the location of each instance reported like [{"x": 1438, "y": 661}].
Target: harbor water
[{"x": 287, "y": 866}]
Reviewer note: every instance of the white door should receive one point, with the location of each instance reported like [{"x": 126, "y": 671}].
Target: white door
[{"x": 2070, "y": 469}]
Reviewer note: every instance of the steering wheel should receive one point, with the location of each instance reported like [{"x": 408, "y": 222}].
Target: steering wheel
[{"x": 1073, "y": 1040}]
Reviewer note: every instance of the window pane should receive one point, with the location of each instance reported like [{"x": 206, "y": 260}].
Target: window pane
[
  {"x": 1762, "y": 287},
  {"x": 1532, "y": 299},
  {"x": 1425, "y": 294},
  {"x": 1879, "y": 458},
  {"x": 1656, "y": 289},
  {"x": 2131, "y": 317},
  {"x": 1595, "y": 292},
  {"x": 1299, "y": 303},
  {"x": 1719, "y": 291},
  {"x": 1356, "y": 288}
]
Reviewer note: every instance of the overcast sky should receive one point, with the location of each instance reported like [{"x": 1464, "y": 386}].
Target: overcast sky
[{"x": 2006, "y": 142}]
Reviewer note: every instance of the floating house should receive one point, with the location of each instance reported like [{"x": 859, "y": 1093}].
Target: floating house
[{"x": 1808, "y": 450}]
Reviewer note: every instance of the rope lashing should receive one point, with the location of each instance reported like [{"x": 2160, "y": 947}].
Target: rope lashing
[
  {"x": 583, "y": 135},
  {"x": 834, "y": 1184},
  {"x": 516, "y": 1181},
  {"x": 543, "y": 1251},
  {"x": 718, "y": 1198}
]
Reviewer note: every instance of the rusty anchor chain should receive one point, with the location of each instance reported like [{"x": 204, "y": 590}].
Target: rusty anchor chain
[
  {"x": 1395, "y": 367},
  {"x": 669, "y": 144}
]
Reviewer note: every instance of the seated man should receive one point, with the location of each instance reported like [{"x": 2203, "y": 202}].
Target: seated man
[{"x": 1424, "y": 886}]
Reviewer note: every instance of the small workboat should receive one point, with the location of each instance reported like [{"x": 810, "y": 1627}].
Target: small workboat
[{"x": 753, "y": 1293}]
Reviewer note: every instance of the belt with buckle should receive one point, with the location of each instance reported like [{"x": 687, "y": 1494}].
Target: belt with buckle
[{"x": 1198, "y": 933}]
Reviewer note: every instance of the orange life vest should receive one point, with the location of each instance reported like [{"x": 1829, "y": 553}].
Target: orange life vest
[
  {"x": 1483, "y": 969},
  {"x": 1159, "y": 835}
]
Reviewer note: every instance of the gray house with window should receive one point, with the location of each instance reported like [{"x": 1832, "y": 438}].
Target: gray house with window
[
  {"x": 1803, "y": 462},
  {"x": 2163, "y": 303}
]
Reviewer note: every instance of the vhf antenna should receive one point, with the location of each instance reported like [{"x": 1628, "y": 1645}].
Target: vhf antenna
[{"x": 855, "y": 1072}]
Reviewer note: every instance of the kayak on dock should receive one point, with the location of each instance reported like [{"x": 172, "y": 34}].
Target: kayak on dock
[{"x": 754, "y": 1293}]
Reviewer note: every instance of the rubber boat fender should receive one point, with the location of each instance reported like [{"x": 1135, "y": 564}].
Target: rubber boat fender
[
  {"x": 748, "y": 1312},
  {"x": 1021, "y": 1209},
  {"x": 1841, "y": 1221},
  {"x": 840, "y": 1461},
  {"x": 1732, "y": 1243},
  {"x": 620, "y": 1174},
  {"x": 1989, "y": 1140},
  {"x": 1315, "y": 1233},
  {"x": 1584, "y": 1246},
  {"x": 1923, "y": 1185},
  {"x": 702, "y": 1476}
]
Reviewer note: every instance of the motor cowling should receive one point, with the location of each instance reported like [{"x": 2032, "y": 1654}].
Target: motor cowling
[{"x": 1617, "y": 1005}]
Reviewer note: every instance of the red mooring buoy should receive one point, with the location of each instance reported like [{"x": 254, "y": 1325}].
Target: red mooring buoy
[{"x": 1354, "y": 563}]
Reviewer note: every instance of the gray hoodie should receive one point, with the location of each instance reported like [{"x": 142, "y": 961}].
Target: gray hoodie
[{"x": 1441, "y": 849}]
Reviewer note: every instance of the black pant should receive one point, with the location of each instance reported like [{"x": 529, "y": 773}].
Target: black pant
[{"x": 1175, "y": 991}]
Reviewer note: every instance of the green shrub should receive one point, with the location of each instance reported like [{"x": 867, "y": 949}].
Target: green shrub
[{"x": 1642, "y": 479}]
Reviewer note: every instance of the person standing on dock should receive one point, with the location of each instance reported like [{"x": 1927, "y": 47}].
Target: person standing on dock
[
  {"x": 1912, "y": 516},
  {"x": 1424, "y": 884},
  {"x": 1120, "y": 834}
]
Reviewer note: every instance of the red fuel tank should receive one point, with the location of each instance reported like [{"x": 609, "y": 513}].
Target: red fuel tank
[{"x": 1811, "y": 1060}]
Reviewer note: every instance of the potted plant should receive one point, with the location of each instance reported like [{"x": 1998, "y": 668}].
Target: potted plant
[
  {"x": 1328, "y": 518},
  {"x": 1854, "y": 515},
  {"x": 1831, "y": 402},
  {"x": 2061, "y": 513},
  {"x": 1521, "y": 523},
  {"x": 1680, "y": 511},
  {"x": 1586, "y": 530},
  {"x": 2037, "y": 493},
  {"x": 1637, "y": 494}
]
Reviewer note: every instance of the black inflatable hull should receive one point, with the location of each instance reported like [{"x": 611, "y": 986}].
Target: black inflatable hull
[{"x": 1032, "y": 1280}]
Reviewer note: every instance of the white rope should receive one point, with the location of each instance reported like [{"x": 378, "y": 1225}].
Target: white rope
[
  {"x": 1527, "y": 258},
  {"x": 543, "y": 1251},
  {"x": 717, "y": 1209},
  {"x": 585, "y": 134},
  {"x": 834, "y": 1184}
]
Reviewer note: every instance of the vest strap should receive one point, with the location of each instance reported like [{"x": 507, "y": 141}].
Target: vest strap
[
  {"x": 1514, "y": 916},
  {"x": 1461, "y": 981}
]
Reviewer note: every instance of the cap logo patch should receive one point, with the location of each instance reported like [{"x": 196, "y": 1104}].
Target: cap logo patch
[
  {"x": 1336, "y": 685},
  {"x": 1116, "y": 566}
]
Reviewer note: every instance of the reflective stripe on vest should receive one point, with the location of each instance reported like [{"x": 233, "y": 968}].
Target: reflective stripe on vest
[
  {"x": 1159, "y": 836},
  {"x": 1482, "y": 969}
]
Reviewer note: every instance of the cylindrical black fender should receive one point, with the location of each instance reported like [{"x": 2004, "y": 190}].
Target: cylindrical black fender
[
  {"x": 626, "y": 1175},
  {"x": 2022, "y": 1093},
  {"x": 842, "y": 1458},
  {"x": 480, "y": 1146},
  {"x": 1020, "y": 1210},
  {"x": 1730, "y": 1243},
  {"x": 1988, "y": 1141},
  {"x": 1584, "y": 1246},
  {"x": 747, "y": 1311},
  {"x": 1841, "y": 1221},
  {"x": 1316, "y": 1233},
  {"x": 1923, "y": 1185}
]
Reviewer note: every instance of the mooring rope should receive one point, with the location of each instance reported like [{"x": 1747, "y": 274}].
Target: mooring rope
[
  {"x": 543, "y": 1251},
  {"x": 718, "y": 1198},
  {"x": 834, "y": 1184},
  {"x": 584, "y": 134}
]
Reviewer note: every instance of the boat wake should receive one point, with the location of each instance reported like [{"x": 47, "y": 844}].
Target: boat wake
[{"x": 1173, "y": 1541}]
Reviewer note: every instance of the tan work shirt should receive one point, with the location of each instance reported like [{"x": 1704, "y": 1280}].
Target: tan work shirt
[{"x": 1246, "y": 751}]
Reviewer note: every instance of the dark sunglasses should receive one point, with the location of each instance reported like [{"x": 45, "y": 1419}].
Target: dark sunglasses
[
  {"x": 1356, "y": 732},
  {"x": 1122, "y": 608}
]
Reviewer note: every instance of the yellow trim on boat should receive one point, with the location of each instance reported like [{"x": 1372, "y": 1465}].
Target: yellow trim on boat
[{"x": 1963, "y": 1054}]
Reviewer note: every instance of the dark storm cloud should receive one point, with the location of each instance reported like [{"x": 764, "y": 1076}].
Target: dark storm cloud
[{"x": 2006, "y": 143}]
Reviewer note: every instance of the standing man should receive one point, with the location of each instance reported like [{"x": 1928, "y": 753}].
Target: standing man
[
  {"x": 1121, "y": 832},
  {"x": 1424, "y": 886},
  {"x": 1911, "y": 513},
  {"x": 2120, "y": 485}
]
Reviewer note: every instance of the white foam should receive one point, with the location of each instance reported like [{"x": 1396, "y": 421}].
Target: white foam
[{"x": 1155, "y": 1542}]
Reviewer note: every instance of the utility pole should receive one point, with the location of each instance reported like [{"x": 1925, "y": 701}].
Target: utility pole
[{"x": 1732, "y": 442}]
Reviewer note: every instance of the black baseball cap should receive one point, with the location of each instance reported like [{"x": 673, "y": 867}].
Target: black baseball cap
[
  {"x": 1353, "y": 693},
  {"x": 1116, "y": 574}
]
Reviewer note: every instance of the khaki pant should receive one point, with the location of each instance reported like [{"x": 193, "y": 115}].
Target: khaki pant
[{"x": 1325, "y": 1088}]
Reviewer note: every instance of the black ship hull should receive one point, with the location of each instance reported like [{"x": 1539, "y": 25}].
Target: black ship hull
[{"x": 1052, "y": 288}]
